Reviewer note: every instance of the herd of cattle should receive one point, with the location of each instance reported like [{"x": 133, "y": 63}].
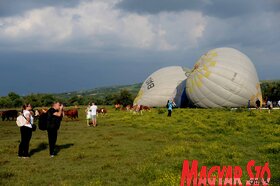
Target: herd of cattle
[
  {"x": 13, "y": 114},
  {"x": 133, "y": 108},
  {"x": 73, "y": 113}
]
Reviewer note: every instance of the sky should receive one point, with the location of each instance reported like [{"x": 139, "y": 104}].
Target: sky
[{"x": 59, "y": 46}]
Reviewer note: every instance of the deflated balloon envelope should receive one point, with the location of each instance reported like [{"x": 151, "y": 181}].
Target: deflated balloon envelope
[
  {"x": 162, "y": 85},
  {"x": 223, "y": 77}
]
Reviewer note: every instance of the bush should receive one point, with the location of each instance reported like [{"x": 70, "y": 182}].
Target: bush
[
  {"x": 161, "y": 111},
  {"x": 124, "y": 98}
]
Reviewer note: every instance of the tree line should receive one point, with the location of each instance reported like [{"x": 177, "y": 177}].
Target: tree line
[
  {"x": 270, "y": 90},
  {"x": 13, "y": 100}
]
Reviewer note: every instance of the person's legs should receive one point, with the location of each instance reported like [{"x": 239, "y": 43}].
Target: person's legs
[
  {"x": 52, "y": 135},
  {"x": 169, "y": 113},
  {"x": 94, "y": 121},
  {"x": 21, "y": 145},
  {"x": 28, "y": 132}
]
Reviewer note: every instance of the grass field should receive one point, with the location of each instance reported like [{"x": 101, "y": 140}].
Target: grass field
[{"x": 127, "y": 149}]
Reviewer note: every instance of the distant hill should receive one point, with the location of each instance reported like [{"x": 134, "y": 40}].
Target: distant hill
[
  {"x": 134, "y": 88},
  {"x": 103, "y": 91}
]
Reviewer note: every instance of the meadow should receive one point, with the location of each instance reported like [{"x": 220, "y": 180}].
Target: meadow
[{"x": 148, "y": 149}]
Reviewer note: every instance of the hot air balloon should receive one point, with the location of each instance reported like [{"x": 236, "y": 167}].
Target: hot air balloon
[
  {"x": 162, "y": 85},
  {"x": 223, "y": 77}
]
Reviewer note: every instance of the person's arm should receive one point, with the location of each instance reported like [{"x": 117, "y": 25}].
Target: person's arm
[
  {"x": 27, "y": 117},
  {"x": 60, "y": 112}
]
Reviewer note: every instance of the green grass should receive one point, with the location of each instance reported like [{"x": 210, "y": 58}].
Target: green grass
[{"x": 127, "y": 149}]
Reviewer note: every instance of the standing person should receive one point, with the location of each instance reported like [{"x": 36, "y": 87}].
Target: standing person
[
  {"x": 26, "y": 132},
  {"x": 55, "y": 115},
  {"x": 88, "y": 112},
  {"x": 258, "y": 104},
  {"x": 170, "y": 105},
  {"x": 93, "y": 109},
  {"x": 269, "y": 106}
]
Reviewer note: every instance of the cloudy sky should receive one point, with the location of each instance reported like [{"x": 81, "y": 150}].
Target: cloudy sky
[{"x": 64, "y": 45}]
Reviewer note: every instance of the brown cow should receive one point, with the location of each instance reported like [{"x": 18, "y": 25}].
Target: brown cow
[
  {"x": 72, "y": 113},
  {"x": 146, "y": 108},
  {"x": 128, "y": 107},
  {"x": 118, "y": 106},
  {"x": 9, "y": 114},
  {"x": 102, "y": 111},
  {"x": 137, "y": 109}
]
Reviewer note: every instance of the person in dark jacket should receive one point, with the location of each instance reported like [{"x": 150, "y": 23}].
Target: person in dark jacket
[
  {"x": 258, "y": 104},
  {"x": 55, "y": 115}
]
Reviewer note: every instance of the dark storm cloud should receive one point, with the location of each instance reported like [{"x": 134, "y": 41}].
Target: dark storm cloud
[
  {"x": 217, "y": 8},
  {"x": 44, "y": 72},
  {"x": 87, "y": 48},
  {"x": 17, "y": 7}
]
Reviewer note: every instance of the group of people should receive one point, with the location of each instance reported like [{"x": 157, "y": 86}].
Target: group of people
[
  {"x": 54, "y": 117},
  {"x": 269, "y": 105},
  {"x": 91, "y": 111}
]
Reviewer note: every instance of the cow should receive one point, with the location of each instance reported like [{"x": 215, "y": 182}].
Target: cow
[
  {"x": 146, "y": 108},
  {"x": 118, "y": 106},
  {"x": 102, "y": 111},
  {"x": 9, "y": 114},
  {"x": 128, "y": 107},
  {"x": 72, "y": 113},
  {"x": 137, "y": 109}
]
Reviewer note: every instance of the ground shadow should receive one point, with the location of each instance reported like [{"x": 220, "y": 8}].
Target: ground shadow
[
  {"x": 40, "y": 147},
  {"x": 64, "y": 146}
]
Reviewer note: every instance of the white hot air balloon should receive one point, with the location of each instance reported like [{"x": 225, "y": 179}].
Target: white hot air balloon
[
  {"x": 223, "y": 77},
  {"x": 162, "y": 85}
]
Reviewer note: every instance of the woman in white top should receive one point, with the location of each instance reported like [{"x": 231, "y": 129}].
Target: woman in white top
[
  {"x": 88, "y": 112},
  {"x": 26, "y": 132},
  {"x": 93, "y": 109}
]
